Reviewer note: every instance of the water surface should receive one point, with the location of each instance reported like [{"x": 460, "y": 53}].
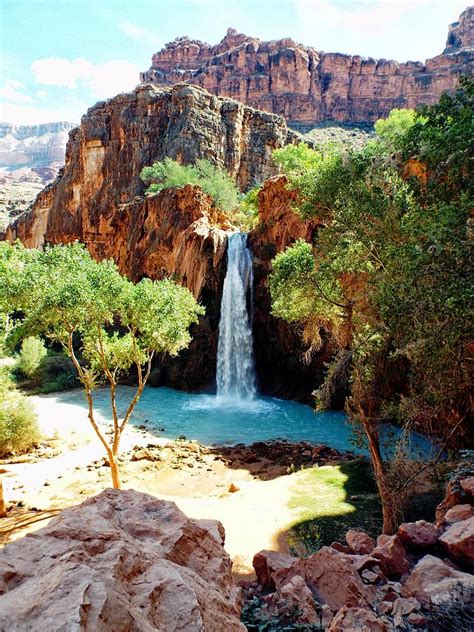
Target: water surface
[{"x": 211, "y": 420}]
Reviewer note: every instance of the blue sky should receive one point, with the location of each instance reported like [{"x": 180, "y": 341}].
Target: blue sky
[{"x": 61, "y": 56}]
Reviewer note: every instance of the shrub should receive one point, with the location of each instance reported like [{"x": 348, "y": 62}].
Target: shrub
[
  {"x": 169, "y": 174},
  {"x": 32, "y": 352},
  {"x": 56, "y": 373},
  {"x": 18, "y": 424}
]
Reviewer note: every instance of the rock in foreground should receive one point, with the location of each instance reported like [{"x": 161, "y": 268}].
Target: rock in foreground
[{"x": 121, "y": 561}]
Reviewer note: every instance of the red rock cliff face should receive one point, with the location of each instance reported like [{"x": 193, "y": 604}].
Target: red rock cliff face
[
  {"x": 305, "y": 85},
  {"x": 279, "y": 349},
  {"x": 98, "y": 198}
]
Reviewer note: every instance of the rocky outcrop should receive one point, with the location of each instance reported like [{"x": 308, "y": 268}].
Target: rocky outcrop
[
  {"x": 306, "y": 85},
  {"x": 121, "y": 561},
  {"x": 406, "y": 581},
  {"x": 98, "y": 197},
  {"x": 118, "y": 137},
  {"x": 461, "y": 33}
]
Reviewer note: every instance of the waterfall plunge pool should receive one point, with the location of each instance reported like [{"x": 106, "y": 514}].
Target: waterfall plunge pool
[{"x": 211, "y": 420}]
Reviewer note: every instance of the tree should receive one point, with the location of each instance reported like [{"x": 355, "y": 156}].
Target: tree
[
  {"x": 104, "y": 322},
  {"x": 388, "y": 275}
]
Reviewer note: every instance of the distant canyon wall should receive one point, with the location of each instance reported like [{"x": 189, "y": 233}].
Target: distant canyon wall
[{"x": 307, "y": 86}]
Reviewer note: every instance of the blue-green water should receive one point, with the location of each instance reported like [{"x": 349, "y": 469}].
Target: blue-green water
[{"x": 170, "y": 414}]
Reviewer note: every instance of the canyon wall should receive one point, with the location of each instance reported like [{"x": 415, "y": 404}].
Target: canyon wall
[
  {"x": 30, "y": 157},
  {"x": 306, "y": 85},
  {"x": 98, "y": 199}
]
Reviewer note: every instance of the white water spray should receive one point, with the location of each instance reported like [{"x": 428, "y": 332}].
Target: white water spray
[{"x": 235, "y": 363}]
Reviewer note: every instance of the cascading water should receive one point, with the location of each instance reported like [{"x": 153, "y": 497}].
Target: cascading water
[{"x": 235, "y": 363}]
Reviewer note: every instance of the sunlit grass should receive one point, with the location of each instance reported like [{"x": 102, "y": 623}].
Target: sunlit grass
[{"x": 327, "y": 501}]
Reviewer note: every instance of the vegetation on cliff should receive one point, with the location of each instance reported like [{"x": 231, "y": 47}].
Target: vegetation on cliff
[
  {"x": 105, "y": 324},
  {"x": 221, "y": 188},
  {"x": 389, "y": 274}
]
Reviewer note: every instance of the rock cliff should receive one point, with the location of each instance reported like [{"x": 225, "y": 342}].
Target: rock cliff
[
  {"x": 306, "y": 85},
  {"x": 33, "y": 145},
  {"x": 121, "y": 561},
  {"x": 279, "y": 350},
  {"x": 98, "y": 200}
]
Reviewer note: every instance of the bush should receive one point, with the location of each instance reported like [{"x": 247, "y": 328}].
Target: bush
[
  {"x": 32, "y": 352},
  {"x": 56, "y": 373},
  {"x": 169, "y": 174},
  {"x": 19, "y": 430}
]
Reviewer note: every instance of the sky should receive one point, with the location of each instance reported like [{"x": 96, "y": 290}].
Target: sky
[{"x": 59, "y": 57}]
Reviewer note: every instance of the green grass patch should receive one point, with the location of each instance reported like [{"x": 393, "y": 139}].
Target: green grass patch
[{"x": 329, "y": 500}]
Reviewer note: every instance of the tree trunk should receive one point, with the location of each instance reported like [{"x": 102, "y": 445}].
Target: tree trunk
[
  {"x": 389, "y": 513},
  {"x": 3, "y": 509},
  {"x": 114, "y": 470}
]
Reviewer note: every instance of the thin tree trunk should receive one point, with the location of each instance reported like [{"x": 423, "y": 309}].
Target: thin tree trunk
[
  {"x": 3, "y": 509},
  {"x": 110, "y": 454},
  {"x": 389, "y": 514}
]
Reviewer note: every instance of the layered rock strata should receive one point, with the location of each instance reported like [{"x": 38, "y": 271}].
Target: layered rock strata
[
  {"x": 121, "y": 561},
  {"x": 306, "y": 85}
]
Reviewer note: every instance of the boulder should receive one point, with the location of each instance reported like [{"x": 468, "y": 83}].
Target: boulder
[
  {"x": 297, "y": 594},
  {"x": 360, "y": 542},
  {"x": 335, "y": 577},
  {"x": 418, "y": 535},
  {"x": 458, "y": 513},
  {"x": 392, "y": 555},
  {"x": 468, "y": 485},
  {"x": 274, "y": 569},
  {"x": 458, "y": 541},
  {"x": 434, "y": 580},
  {"x": 360, "y": 619},
  {"x": 121, "y": 561}
]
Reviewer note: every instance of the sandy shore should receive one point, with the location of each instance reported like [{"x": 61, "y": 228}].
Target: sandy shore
[{"x": 69, "y": 467}]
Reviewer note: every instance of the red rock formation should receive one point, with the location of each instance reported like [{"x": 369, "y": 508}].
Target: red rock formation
[
  {"x": 354, "y": 588},
  {"x": 121, "y": 561},
  {"x": 98, "y": 198},
  {"x": 305, "y": 85}
]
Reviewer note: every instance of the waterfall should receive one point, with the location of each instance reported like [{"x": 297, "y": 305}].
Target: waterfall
[{"x": 235, "y": 364}]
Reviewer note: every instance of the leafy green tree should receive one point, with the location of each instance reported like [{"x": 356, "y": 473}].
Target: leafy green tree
[
  {"x": 105, "y": 323},
  {"x": 388, "y": 276},
  {"x": 393, "y": 129}
]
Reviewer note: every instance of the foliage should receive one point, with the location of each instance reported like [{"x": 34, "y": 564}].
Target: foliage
[
  {"x": 247, "y": 215},
  {"x": 392, "y": 130},
  {"x": 18, "y": 424},
  {"x": 56, "y": 373},
  {"x": 104, "y": 323},
  {"x": 212, "y": 180},
  {"x": 33, "y": 350},
  {"x": 389, "y": 274}
]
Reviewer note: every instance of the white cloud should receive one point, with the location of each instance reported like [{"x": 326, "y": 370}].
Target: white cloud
[
  {"x": 103, "y": 80},
  {"x": 41, "y": 94},
  {"x": 14, "y": 92}
]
